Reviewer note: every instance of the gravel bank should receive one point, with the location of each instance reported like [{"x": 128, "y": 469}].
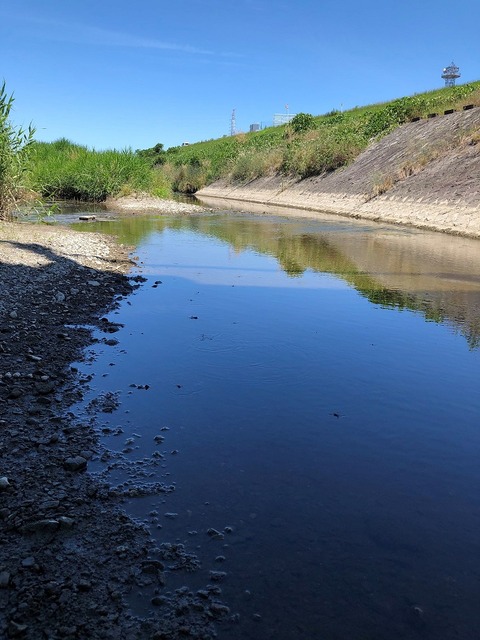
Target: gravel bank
[
  {"x": 69, "y": 556},
  {"x": 141, "y": 203}
]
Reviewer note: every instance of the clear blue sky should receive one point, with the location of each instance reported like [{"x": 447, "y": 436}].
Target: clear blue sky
[{"x": 131, "y": 74}]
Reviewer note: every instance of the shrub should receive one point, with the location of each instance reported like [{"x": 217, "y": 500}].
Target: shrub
[{"x": 302, "y": 122}]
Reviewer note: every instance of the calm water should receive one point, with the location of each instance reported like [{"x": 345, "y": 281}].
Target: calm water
[{"x": 319, "y": 381}]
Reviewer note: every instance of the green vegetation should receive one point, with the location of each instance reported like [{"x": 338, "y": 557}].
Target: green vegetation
[
  {"x": 15, "y": 144},
  {"x": 64, "y": 170},
  {"x": 156, "y": 155},
  {"x": 308, "y": 145}
]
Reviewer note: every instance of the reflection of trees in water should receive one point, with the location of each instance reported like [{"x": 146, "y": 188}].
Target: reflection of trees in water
[{"x": 297, "y": 251}]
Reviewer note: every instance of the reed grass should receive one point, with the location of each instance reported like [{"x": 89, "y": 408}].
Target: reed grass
[{"x": 64, "y": 170}]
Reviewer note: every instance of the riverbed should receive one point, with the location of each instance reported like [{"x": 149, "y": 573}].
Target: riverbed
[{"x": 310, "y": 388}]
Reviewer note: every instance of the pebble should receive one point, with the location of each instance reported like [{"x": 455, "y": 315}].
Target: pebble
[
  {"x": 213, "y": 533},
  {"x": 28, "y": 562},
  {"x": 76, "y": 463},
  {"x": 47, "y": 524},
  {"x": 15, "y": 629},
  {"x": 217, "y": 576},
  {"x": 4, "y": 579},
  {"x": 219, "y": 609},
  {"x": 4, "y": 483}
]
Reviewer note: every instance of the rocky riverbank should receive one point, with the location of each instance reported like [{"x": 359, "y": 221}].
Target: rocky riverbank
[
  {"x": 69, "y": 555},
  {"x": 424, "y": 174}
]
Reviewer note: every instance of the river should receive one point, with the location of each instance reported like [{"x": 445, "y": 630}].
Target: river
[{"x": 314, "y": 384}]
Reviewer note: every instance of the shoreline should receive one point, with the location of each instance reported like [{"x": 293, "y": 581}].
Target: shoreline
[
  {"x": 452, "y": 220},
  {"x": 70, "y": 557}
]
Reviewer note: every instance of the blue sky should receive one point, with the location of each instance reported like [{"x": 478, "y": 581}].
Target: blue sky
[{"x": 132, "y": 74}]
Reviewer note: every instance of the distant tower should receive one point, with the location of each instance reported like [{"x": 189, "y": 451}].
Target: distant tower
[
  {"x": 233, "y": 124},
  {"x": 450, "y": 74}
]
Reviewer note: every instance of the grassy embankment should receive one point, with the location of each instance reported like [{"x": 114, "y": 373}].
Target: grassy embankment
[{"x": 307, "y": 146}]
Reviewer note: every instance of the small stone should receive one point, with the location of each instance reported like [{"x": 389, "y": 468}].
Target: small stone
[
  {"x": 84, "y": 585},
  {"x": 4, "y": 483},
  {"x": 15, "y": 393},
  {"x": 66, "y": 522},
  {"x": 213, "y": 533},
  {"x": 44, "y": 388},
  {"x": 45, "y": 525},
  {"x": 76, "y": 463},
  {"x": 93, "y": 283},
  {"x": 28, "y": 562},
  {"x": 219, "y": 609},
  {"x": 16, "y": 630},
  {"x": 217, "y": 576},
  {"x": 60, "y": 296},
  {"x": 13, "y": 315},
  {"x": 170, "y": 515},
  {"x": 4, "y": 579}
]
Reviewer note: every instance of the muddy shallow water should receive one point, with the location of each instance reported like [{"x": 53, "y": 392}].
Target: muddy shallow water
[{"x": 313, "y": 386}]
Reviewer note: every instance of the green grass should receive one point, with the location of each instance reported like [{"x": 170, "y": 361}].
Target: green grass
[
  {"x": 328, "y": 142},
  {"x": 64, "y": 170}
]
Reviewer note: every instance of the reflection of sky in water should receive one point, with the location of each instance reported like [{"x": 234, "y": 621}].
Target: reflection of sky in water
[
  {"x": 338, "y": 438},
  {"x": 204, "y": 262}
]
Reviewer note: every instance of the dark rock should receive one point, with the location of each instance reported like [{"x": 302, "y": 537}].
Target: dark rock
[{"x": 77, "y": 463}]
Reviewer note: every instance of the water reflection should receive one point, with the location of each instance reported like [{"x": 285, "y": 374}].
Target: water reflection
[{"x": 434, "y": 274}]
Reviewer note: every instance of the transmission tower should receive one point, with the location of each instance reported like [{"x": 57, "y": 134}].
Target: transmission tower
[
  {"x": 450, "y": 74},
  {"x": 233, "y": 124}
]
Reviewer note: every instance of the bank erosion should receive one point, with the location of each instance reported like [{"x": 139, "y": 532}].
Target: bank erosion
[{"x": 425, "y": 173}]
